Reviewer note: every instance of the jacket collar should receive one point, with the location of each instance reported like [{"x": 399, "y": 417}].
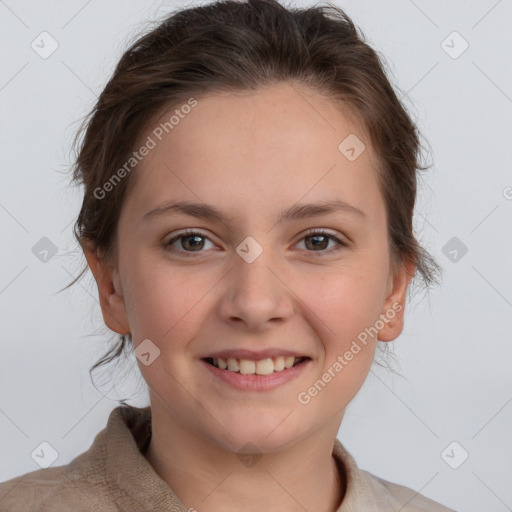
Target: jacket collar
[{"x": 126, "y": 437}]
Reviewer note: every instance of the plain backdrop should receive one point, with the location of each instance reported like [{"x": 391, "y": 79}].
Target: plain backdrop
[{"x": 451, "y": 63}]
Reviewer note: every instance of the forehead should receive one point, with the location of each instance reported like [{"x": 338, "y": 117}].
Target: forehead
[{"x": 276, "y": 145}]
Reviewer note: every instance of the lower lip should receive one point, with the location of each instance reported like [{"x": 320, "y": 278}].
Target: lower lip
[{"x": 257, "y": 382}]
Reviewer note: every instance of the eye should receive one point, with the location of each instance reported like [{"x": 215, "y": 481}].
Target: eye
[
  {"x": 190, "y": 242},
  {"x": 319, "y": 241}
]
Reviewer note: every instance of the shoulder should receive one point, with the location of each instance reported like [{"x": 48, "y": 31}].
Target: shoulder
[
  {"x": 54, "y": 489},
  {"x": 399, "y": 497},
  {"x": 111, "y": 475},
  {"x": 368, "y": 492},
  {"x": 81, "y": 485}
]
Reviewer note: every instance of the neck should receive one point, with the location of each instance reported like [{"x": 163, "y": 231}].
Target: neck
[{"x": 208, "y": 478}]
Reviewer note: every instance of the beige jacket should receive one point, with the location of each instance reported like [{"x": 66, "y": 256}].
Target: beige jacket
[{"x": 113, "y": 475}]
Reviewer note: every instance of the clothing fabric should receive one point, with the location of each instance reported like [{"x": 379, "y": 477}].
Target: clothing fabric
[{"x": 113, "y": 475}]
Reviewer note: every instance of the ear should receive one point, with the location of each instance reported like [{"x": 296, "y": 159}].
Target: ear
[
  {"x": 109, "y": 289},
  {"x": 392, "y": 314}
]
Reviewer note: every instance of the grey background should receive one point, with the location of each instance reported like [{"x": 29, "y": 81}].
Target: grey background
[{"x": 455, "y": 352}]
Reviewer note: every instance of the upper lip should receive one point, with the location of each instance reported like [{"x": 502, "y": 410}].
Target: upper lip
[{"x": 252, "y": 355}]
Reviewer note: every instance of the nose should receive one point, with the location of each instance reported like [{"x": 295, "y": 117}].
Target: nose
[{"x": 255, "y": 295}]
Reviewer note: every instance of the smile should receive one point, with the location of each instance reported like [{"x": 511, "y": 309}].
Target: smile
[
  {"x": 265, "y": 366},
  {"x": 256, "y": 375}
]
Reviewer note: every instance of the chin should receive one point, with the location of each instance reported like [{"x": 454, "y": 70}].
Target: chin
[{"x": 261, "y": 434}]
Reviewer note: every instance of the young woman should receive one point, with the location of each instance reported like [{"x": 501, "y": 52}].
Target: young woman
[{"x": 249, "y": 183}]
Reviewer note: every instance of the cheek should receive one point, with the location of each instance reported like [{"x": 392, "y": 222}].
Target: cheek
[
  {"x": 346, "y": 300},
  {"x": 344, "y": 308},
  {"x": 164, "y": 302}
]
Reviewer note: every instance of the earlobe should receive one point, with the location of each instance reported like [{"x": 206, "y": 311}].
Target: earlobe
[
  {"x": 392, "y": 314},
  {"x": 109, "y": 290}
]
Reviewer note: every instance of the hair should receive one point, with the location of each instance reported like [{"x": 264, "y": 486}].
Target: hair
[{"x": 240, "y": 46}]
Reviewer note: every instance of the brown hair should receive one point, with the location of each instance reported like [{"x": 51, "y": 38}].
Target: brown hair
[{"x": 232, "y": 46}]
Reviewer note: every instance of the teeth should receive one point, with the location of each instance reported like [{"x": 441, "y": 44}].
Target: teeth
[
  {"x": 247, "y": 367},
  {"x": 279, "y": 363},
  {"x": 232, "y": 365},
  {"x": 262, "y": 367},
  {"x": 288, "y": 361}
]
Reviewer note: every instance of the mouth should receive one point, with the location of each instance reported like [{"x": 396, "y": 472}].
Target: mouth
[{"x": 266, "y": 366}]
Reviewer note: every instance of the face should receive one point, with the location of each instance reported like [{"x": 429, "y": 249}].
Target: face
[{"x": 255, "y": 279}]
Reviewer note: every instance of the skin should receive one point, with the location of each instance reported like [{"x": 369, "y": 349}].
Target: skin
[{"x": 252, "y": 155}]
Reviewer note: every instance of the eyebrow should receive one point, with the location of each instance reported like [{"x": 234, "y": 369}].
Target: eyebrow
[{"x": 297, "y": 211}]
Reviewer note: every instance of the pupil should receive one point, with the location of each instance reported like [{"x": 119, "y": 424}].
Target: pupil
[
  {"x": 198, "y": 243},
  {"x": 316, "y": 244},
  {"x": 196, "y": 237}
]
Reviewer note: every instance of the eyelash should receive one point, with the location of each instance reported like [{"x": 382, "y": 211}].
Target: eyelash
[{"x": 312, "y": 232}]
